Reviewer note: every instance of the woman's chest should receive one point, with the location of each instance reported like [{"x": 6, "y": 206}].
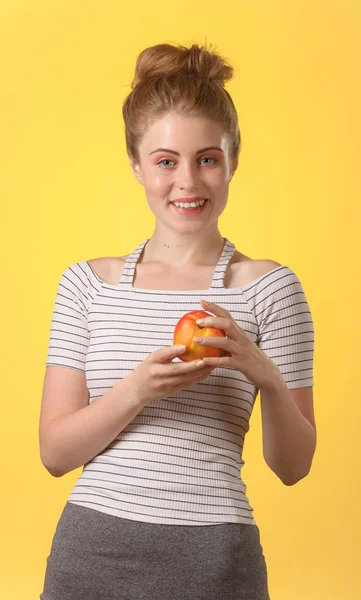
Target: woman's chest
[{"x": 156, "y": 277}]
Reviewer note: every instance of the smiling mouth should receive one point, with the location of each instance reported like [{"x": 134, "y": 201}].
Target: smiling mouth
[{"x": 190, "y": 210}]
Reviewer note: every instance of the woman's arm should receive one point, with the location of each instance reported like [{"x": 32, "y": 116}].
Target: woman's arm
[
  {"x": 74, "y": 439},
  {"x": 289, "y": 439}
]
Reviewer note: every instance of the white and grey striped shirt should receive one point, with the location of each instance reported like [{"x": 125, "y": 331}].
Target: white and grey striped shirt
[{"x": 179, "y": 461}]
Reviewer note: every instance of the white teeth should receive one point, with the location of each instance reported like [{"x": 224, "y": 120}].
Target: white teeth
[{"x": 189, "y": 204}]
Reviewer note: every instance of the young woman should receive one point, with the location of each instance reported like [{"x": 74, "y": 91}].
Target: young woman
[{"x": 160, "y": 510}]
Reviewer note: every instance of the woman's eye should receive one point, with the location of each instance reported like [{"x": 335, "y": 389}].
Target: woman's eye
[
  {"x": 209, "y": 158},
  {"x": 163, "y": 161},
  {"x": 205, "y": 158}
]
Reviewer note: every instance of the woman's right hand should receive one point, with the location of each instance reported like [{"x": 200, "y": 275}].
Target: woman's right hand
[{"x": 158, "y": 377}]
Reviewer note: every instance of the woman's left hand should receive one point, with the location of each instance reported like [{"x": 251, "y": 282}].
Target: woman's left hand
[{"x": 239, "y": 351}]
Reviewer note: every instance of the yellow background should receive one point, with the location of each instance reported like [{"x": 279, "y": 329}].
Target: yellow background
[{"x": 68, "y": 194}]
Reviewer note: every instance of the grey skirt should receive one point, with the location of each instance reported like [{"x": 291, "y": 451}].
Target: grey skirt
[{"x": 96, "y": 556}]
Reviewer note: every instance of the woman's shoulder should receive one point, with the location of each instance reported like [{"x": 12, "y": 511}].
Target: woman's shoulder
[
  {"x": 108, "y": 268},
  {"x": 247, "y": 269}
]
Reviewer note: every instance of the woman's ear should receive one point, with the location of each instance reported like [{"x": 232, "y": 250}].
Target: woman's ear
[
  {"x": 233, "y": 167},
  {"x": 136, "y": 170}
]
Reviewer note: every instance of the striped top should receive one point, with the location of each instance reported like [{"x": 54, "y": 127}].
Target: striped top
[{"x": 179, "y": 461}]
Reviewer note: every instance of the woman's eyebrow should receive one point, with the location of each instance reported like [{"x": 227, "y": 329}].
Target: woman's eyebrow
[{"x": 177, "y": 153}]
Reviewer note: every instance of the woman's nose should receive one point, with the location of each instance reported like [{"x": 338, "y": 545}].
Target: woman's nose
[{"x": 187, "y": 176}]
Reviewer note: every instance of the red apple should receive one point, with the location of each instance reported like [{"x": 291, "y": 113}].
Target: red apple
[{"x": 187, "y": 328}]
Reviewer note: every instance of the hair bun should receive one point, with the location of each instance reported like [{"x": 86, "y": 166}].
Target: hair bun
[
  {"x": 189, "y": 81},
  {"x": 164, "y": 60}
]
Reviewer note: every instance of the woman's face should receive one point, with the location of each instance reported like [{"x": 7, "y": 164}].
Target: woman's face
[{"x": 185, "y": 169}]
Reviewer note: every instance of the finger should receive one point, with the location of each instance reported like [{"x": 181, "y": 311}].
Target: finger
[
  {"x": 221, "y": 361},
  {"x": 215, "y": 308},
  {"x": 220, "y": 322},
  {"x": 215, "y": 341},
  {"x": 168, "y": 353},
  {"x": 200, "y": 375},
  {"x": 185, "y": 367},
  {"x": 197, "y": 378}
]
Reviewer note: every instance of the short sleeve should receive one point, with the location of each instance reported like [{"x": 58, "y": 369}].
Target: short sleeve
[
  {"x": 69, "y": 333},
  {"x": 286, "y": 329}
]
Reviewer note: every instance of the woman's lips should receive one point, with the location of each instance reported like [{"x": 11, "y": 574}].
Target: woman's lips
[{"x": 188, "y": 211}]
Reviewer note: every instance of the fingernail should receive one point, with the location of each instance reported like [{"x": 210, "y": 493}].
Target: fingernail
[
  {"x": 200, "y": 321},
  {"x": 179, "y": 348}
]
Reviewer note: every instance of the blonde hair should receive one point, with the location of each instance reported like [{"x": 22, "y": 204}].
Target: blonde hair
[{"x": 180, "y": 80}]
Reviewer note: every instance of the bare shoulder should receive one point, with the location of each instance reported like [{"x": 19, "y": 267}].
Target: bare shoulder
[
  {"x": 248, "y": 269},
  {"x": 263, "y": 266},
  {"x": 108, "y": 268}
]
